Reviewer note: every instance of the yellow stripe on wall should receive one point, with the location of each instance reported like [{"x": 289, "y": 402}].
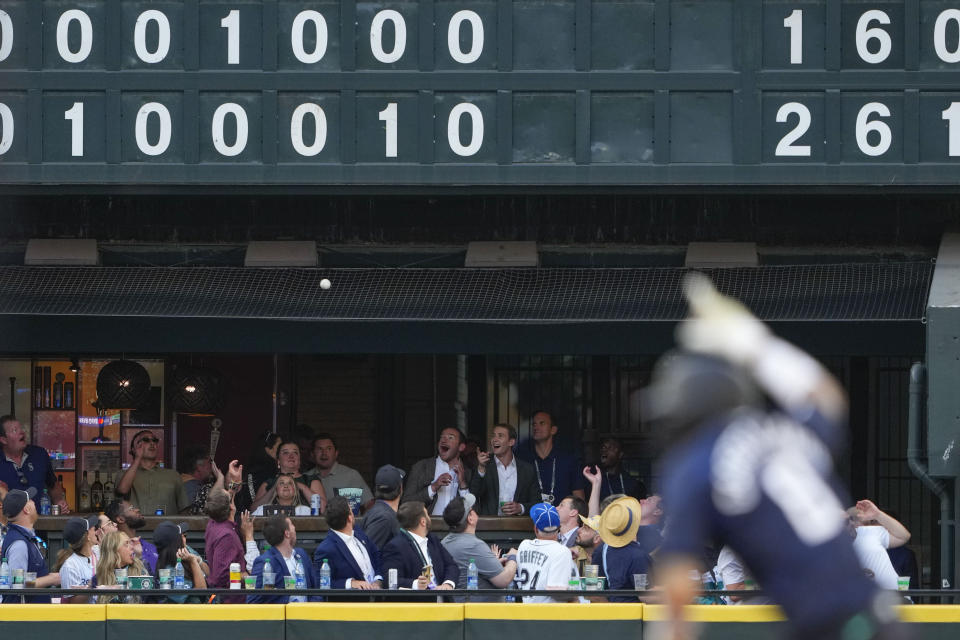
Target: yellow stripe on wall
[
  {"x": 53, "y": 612},
  {"x": 553, "y": 611},
  {"x": 930, "y": 613},
  {"x": 375, "y": 612},
  {"x": 718, "y": 613},
  {"x": 196, "y": 612}
]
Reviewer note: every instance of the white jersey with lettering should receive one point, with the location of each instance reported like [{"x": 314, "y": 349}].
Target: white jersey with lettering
[{"x": 543, "y": 564}]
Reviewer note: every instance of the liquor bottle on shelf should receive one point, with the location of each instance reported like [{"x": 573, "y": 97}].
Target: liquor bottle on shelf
[
  {"x": 96, "y": 492},
  {"x": 46, "y": 388},
  {"x": 108, "y": 489},
  {"x": 68, "y": 395},
  {"x": 58, "y": 391},
  {"x": 37, "y": 387},
  {"x": 85, "y": 506}
]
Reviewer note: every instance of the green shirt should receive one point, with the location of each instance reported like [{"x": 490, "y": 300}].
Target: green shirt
[{"x": 154, "y": 488}]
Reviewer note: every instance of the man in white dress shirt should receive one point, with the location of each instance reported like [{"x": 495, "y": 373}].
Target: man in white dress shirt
[{"x": 353, "y": 559}]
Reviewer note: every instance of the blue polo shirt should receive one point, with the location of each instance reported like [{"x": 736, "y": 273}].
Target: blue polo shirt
[
  {"x": 36, "y": 468},
  {"x": 559, "y": 473}
]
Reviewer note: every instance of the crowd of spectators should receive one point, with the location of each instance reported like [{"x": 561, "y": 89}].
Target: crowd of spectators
[{"x": 581, "y": 517}]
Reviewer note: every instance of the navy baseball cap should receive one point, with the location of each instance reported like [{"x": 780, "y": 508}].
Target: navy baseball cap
[
  {"x": 545, "y": 517},
  {"x": 16, "y": 500}
]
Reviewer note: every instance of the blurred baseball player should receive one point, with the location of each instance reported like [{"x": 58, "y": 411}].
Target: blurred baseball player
[{"x": 756, "y": 479}]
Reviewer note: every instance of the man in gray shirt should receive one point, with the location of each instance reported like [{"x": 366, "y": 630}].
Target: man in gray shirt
[
  {"x": 338, "y": 479},
  {"x": 463, "y": 545}
]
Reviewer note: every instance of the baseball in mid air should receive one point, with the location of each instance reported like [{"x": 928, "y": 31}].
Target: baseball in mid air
[{"x": 324, "y": 284}]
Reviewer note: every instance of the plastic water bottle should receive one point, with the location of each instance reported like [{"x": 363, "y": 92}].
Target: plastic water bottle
[
  {"x": 473, "y": 576},
  {"x": 315, "y": 504},
  {"x": 269, "y": 577},
  {"x": 4, "y": 575},
  {"x": 45, "y": 503},
  {"x": 509, "y": 597},
  {"x": 179, "y": 582},
  {"x": 300, "y": 576},
  {"x": 325, "y": 575}
]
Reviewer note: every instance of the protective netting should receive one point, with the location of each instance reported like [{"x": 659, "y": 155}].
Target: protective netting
[{"x": 854, "y": 291}]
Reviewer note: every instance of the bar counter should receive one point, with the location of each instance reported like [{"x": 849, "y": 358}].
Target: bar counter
[{"x": 506, "y": 531}]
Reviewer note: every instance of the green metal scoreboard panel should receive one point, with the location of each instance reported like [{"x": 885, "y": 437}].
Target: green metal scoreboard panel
[{"x": 480, "y": 92}]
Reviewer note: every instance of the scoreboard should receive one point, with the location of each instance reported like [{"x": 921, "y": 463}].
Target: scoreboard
[{"x": 480, "y": 92}]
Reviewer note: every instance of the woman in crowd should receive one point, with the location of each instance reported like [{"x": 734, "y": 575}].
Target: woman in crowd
[
  {"x": 260, "y": 467},
  {"x": 172, "y": 544},
  {"x": 288, "y": 463},
  {"x": 285, "y": 493},
  {"x": 117, "y": 551},
  {"x": 76, "y": 563}
]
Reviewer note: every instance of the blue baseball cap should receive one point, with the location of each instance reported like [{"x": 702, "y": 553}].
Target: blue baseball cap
[{"x": 545, "y": 517}]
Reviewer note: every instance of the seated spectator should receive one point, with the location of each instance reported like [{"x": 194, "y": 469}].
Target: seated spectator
[
  {"x": 380, "y": 521},
  {"x": 106, "y": 526},
  {"x": 873, "y": 533},
  {"x": 587, "y": 541},
  {"x": 75, "y": 564},
  {"x": 223, "y": 544},
  {"x": 544, "y": 563},
  {"x": 128, "y": 519},
  {"x": 146, "y": 484},
  {"x": 417, "y": 555},
  {"x": 339, "y": 479},
  {"x": 436, "y": 481},
  {"x": 282, "y": 558},
  {"x": 570, "y": 509},
  {"x": 117, "y": 552},
  {"x": 288, "y": 463},
  {"x": 648, "y": 535},
  {"x": 614, "y": 478},
  {"x": 285, "y": 494},
  {"x": 734, "y": 574},
  {"x": 197, "y": 475},
  {"x": 171, "y": 544},
  {"x": 261, "y": 465},
  {"x": 353, "y": 559},
  {"x": 463, "y": 545},
  {"x": 510, "y": 487},
  {"x": 620, "y": 556},
  {"x": 22, "y": 546}
]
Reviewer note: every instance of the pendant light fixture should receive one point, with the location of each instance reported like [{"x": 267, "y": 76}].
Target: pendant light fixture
[{"x": 123, "y": 384}]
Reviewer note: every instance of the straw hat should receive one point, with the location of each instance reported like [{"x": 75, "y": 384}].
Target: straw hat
[{"x": 619, "y": 522}]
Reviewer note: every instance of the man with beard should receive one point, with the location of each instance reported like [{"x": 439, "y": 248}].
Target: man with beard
[
  {"x": 512, "y": 490},
  {"x": 148, "y": 486},
  {"x": 128, "y": 519},
  {"x": 197, "y": 471},
  {"x": 614, "y": 480},
  {"x": 437, "y": 481},
  {"x": 336, "y": 476},
  {"x": 418, "y": 556}
]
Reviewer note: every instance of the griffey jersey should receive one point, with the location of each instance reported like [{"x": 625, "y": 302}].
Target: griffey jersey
[{"x": 543, "y": 564}]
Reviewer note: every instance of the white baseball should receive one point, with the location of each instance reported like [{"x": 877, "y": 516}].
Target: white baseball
[{"x": 324, "y": 284}]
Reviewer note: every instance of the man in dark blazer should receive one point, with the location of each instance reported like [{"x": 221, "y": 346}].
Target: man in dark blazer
[
  {"x": 508, "y": 487},
  {"x": 354, "y": 561},
  {"x": 437, "y": 481},
  {"x": 282, "y": 536},
  {"x": 414, "y": 549}
]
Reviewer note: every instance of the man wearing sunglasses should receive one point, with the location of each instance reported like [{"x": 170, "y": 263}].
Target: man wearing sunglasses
[
  {"x": 25, "y": 465},
  {"x": 145, "y": 484}
]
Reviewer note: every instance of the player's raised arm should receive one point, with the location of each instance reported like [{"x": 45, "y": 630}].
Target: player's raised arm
[{"x": 722, "y": 327}]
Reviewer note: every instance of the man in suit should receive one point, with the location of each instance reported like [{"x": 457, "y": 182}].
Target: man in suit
[
  {"x": 282, "y": 557},
  {"x": 513, "y": 489},
  {"x": 417, "y": 555},
  {"x": 437, "y": 481},
  {"x": 354, "y": 561}
]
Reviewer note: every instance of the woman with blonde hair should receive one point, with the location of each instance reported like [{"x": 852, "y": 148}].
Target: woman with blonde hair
[{"x": 117, "y": 551}]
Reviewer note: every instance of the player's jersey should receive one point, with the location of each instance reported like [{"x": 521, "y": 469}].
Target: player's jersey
[
  {"x": 543, "y": 564},
  {"x": 762, "y": 483}
]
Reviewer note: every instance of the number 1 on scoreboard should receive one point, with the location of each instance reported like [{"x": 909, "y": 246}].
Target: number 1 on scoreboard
[
  {"x": 389, "y": 116},
  {"x": 794, "y": 22}
]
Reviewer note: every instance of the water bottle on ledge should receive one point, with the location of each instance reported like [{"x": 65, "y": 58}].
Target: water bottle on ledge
[
  {"x": 325, "y": 575},
  {"x": 45, "y": 503},
  {"x": 179, "y": 581},
  {"x": 473, "y": 576}
]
